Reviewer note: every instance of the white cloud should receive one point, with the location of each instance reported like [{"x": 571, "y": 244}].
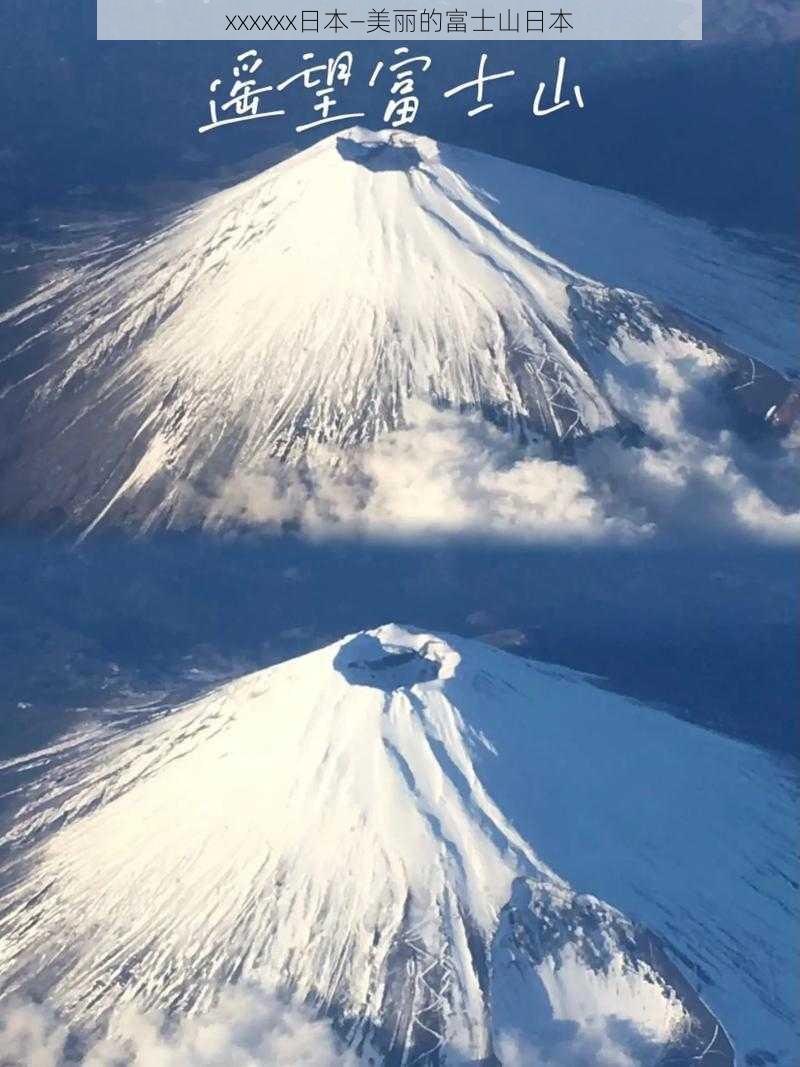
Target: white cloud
[
  {"x": 248, "y": 1027},
  {"x": 451, "y": 474},
  {"x": 30, "y": 1036},
  {"x": 445, "y": 474},
  {"x": 610, "y": 1043}
]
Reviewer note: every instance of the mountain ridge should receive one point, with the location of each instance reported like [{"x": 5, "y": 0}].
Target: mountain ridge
[
  {"x": 297, "y": 315},
  {"x": 430, "y": 841}
]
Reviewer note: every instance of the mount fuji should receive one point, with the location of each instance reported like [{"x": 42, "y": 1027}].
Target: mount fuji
[
  {"x": 298, "y": 313},
  {"x": 436, "y": 845}
]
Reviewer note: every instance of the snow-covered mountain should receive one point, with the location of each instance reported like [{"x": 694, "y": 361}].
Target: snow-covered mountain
[
  {"x": 299, "y": 311},
  {"x": 439, "y": 846}
]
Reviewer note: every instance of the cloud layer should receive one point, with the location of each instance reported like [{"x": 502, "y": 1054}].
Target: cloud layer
[
  {"x": 248, "y": 1027},
  {"x": 612, "y": 1044},
  {"x": 450, "y": 474}
]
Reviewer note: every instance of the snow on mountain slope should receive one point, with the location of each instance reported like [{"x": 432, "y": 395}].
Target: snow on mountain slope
[
  {"x": 732, "y": 286},
  {"x": 300, "y": 310},
  {"x": 442, "y": 847}
]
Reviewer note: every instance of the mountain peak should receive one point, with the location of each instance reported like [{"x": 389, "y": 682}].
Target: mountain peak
[
  {"x": 412, "y": 832},
  {"x": 380, "y": 150},
  {"x": 386, "y": 659},
  {"x": 301, "y": 312}
]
